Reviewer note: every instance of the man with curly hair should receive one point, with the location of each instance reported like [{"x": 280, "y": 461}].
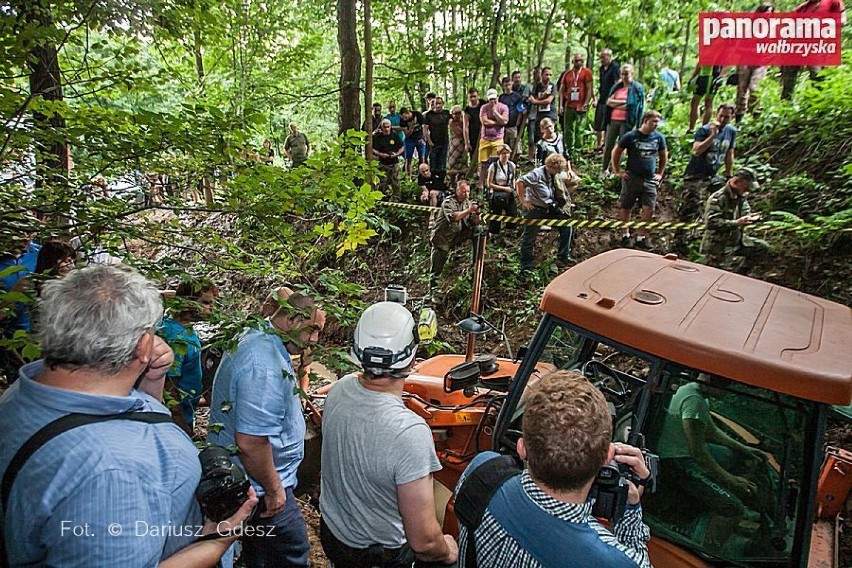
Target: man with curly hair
[{"x": 542, "y": 516}]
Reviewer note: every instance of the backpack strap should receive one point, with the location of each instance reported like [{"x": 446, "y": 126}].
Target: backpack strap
[
  {"x": 46, "y": 434},
  {"x": 475, "y": 494}
]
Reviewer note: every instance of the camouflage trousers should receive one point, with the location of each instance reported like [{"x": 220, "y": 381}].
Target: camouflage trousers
[
  {"x": 739, "y": 258},
  {"x": 690, "y": 209}
]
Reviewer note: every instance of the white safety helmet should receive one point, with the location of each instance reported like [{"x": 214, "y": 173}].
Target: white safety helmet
[{"x": 385, "y": 339}]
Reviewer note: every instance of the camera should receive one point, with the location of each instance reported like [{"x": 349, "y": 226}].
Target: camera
[
  {"x": 611, "y": 486},
  {"x": 224, "y": 485}
]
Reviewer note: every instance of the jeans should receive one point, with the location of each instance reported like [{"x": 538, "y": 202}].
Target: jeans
[
  {"x": 284, "y": 541},
  {"x": 438, "y": 158},
  {"x": 344, "y": 556},
  {"x": 614, "y": 130},
  {"x": 501, "y": 203},
  {"x": 563, "y": 247}
]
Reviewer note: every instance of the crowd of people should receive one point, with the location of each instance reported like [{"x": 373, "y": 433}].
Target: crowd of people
[
  {"x": 469, "y": 160},
  {"x": 121, "y": 481}
]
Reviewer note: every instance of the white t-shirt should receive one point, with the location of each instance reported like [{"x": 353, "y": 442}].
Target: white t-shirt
[{"x": 371, "y": 443}]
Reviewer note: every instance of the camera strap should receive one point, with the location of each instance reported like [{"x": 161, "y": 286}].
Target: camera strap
[
  {"x": 45, "y": 435},
  {"x": 475, "y": 495}
]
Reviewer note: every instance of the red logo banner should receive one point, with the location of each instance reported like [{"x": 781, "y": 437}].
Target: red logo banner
[{"x": 794, "y": 39}]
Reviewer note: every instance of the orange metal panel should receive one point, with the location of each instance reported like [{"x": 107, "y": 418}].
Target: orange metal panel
[{"x": 747, "y": 330}]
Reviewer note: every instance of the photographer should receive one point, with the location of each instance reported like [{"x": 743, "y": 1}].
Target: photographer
[
  {"x": 453, "y": 226},
  {"x": 542, "y": 516},
  {"x": 119, "y": 491},
  {"x": 542, "y": 198}
]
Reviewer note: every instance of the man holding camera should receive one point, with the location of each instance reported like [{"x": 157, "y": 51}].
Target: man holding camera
[
  {"x": 541, "y": 516},
  {"x": 117, "y": 489},
  {"x": 542, "y": 198},
  {"x": 726, "y": 214},
  {"x": 256, "y": 402},
  {"x": 453, "y": 226},
  {"x": 712, "y": 147}
]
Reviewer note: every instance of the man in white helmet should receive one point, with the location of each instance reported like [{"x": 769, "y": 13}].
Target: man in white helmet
[{"x": 377, "y": 501}]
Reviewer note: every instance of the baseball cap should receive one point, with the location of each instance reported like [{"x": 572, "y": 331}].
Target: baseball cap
[
  {"x": 749, "y": 175},
  {"x": 491, "y": 94}
]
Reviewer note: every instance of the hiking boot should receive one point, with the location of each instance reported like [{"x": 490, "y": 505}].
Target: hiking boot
[
  {"x": 643, "y": 244},
  {"x": 625, "y": 242},
  {"x": 565, "y": 262}
]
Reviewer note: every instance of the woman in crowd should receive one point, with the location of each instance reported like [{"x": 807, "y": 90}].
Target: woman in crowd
[
  {"x": 501, "y": 188},
  {"x": 624, "y": 108},
  {"x": 549, "y": 143},
  {"x": 456, "y": 156}
]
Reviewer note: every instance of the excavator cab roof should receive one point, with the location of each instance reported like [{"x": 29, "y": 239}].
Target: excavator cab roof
[{"x": 751, "y": 331}]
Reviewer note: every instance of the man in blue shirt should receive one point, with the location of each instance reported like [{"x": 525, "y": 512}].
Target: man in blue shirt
[
  {"x": 256, "y": 404},
  {"x": 395, "y": 120},
  {"x": 640, "y": 181},
  {"x": 117, "y": 493},
  {"x": 712, "y": 147}
]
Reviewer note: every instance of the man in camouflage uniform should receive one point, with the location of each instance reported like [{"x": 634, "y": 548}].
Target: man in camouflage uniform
[
  {"x": 453, "y": 226},
  {"x": 726, "y": 213}
]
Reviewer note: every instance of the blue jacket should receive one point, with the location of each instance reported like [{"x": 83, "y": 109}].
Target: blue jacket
[{"x": 635, "y": 104}]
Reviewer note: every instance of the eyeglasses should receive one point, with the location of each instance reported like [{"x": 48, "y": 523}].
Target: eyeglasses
[{"x": 626, "y": 73}]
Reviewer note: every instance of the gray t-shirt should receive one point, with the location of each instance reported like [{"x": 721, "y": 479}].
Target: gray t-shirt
[
  {"x": 371, "y": 443},
  {"x": 539, "y": 187}
]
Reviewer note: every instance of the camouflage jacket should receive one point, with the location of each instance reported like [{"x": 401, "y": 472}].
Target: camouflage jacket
[
  {"x": 721, "y": 231},
  {"x": 446, "y": 233}
]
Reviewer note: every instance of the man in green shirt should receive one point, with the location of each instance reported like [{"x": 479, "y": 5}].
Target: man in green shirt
[
  {"x": 726, "y": 213},
  {"x": 297, "y": 146},
  {"x": 453, "y": 226}
]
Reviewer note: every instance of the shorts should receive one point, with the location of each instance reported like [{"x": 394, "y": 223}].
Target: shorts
[
  {"x": 705, "y": 85},
  {"x": 600, "y": 117},
  {"x": 636, "y": 188},
  {"x": 488, "y": 149},
  {"x": 412, "y": 145}
]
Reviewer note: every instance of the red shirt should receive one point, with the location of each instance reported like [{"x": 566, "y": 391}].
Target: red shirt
[
  {"x": 832, "y": 6},
  {"x": 578, "y": 80},
  {"x": 619, "y": 112}
]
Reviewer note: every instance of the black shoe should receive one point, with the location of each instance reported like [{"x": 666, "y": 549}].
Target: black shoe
[
  {"x": 625, "y": 242},
  {"x": 643, "y": 244},
  {"x": 565, "y": 262}
]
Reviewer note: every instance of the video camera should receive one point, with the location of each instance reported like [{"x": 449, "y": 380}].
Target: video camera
[{"x": 611, "y": 486}]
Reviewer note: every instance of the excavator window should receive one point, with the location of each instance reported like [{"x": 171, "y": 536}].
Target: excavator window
[{"x": 732, "y": 461}]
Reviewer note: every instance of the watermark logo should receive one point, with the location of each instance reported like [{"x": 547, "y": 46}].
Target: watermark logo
[{"x": 795, "y": 39}]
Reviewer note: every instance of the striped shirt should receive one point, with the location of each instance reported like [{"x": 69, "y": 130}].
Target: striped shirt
[
  {"x": 497, "y": 548},
  {"x": 118, "y": 493}
]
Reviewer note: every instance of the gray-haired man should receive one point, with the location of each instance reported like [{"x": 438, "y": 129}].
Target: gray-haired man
[{"x": 102, "y": 494}]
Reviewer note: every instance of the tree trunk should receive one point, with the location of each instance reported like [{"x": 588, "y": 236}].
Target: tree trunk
[
  {"x": 495, "y": 37},
  {"x": 350, "y": 66},
  {"x": 368, "y": 78},
  {"x": 46, "y": 82},
  {"x": 685, "y": 49},
  {"x": 546, "y": 36},
  {"x": 198, "y": 53}
]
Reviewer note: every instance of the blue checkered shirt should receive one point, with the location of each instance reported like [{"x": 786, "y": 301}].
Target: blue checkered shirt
[{"x": 496, "y": 548}]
